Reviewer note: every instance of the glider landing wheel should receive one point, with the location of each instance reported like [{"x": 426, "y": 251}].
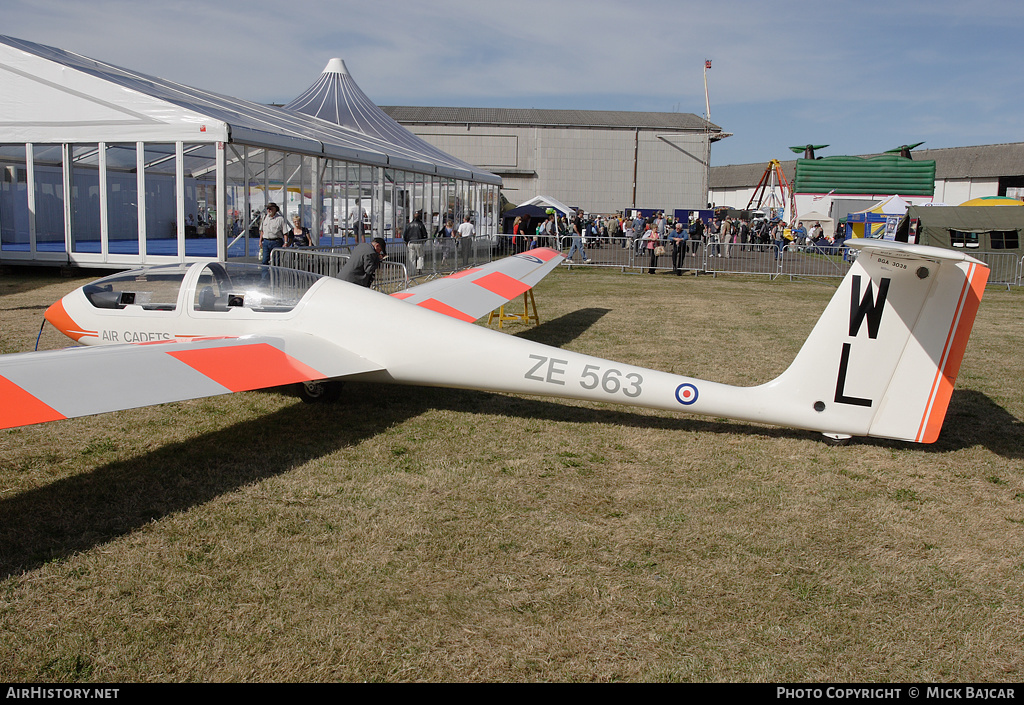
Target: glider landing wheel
[
  {"x": 836, "y": 439},
  {"x": 319, "y": 391}
]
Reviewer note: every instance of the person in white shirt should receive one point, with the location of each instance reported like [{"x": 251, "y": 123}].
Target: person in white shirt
[
  {"x": 272, "y": 231},
  {"x": 466, "y": 232},
  {"x": 355, "y": 220},
  {"x": 467, "y": 229}
]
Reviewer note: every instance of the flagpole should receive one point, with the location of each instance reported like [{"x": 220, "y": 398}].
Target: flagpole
[
  {"x": 707, "y": 130},
  {"x": 707, "y": 101}
]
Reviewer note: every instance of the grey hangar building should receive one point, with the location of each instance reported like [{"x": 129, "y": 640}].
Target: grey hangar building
[{"x": 601, "y": 161}]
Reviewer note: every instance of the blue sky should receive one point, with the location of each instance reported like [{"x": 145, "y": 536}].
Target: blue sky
[{"x": 862, "y": 76}]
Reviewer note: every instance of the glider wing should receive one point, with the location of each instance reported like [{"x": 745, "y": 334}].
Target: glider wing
[
  {"x": 469, "y": 294},
  {"x": 57, "y": 384}
]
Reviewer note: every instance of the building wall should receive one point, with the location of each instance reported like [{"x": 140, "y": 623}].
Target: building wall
[
  {"x": 591, "y": 168},
  {"x": 733, "y": 197},
  {"x": 953, "y": 192}
]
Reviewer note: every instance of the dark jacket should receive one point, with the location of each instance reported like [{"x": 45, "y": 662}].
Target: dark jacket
[
  {"x": 361, "y": 266},
  {"x": 415, "y": 231}
]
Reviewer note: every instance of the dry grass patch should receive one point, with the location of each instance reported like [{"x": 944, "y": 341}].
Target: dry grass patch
[{"x": 420, "y": 534}]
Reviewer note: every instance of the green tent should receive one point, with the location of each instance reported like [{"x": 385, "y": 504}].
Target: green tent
[
  {"x": 970, "y": 228},
  {"x": 884, "y": 174}
]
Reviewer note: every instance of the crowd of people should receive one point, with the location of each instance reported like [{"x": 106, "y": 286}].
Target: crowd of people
[
  {"x": 657, "y": 235},
  {"x": 653, "y": 236},
  {"x": 273, "y": 232}
]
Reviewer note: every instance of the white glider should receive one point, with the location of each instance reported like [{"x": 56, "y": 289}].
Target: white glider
[{"x": 881, "y": 361}]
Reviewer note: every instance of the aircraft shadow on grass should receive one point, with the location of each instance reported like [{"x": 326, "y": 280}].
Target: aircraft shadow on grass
[
  {"x": 39, "y": 307},
  {"x": 80, "y": 512},
  {"x": 563, "y": 330},
  {"x": 974, "y": 419},
  {"x": 87, "y": 510}
]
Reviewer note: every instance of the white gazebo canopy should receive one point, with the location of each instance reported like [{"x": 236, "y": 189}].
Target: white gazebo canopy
[{"x": 549, "y": 202}]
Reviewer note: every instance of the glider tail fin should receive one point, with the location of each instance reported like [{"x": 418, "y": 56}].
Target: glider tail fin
[{"x": 884, "y": 356}]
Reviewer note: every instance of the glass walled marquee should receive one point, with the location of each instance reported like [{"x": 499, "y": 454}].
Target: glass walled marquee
[
  {"x": 148, "y": 203},
  {"x": 103, "y": 166}
]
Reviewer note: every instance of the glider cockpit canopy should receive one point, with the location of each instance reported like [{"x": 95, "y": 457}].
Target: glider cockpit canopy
[{"x": 220, "y": 286}]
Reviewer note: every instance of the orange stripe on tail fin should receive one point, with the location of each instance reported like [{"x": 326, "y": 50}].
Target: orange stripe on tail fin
[{"x": 953, "y": 354}]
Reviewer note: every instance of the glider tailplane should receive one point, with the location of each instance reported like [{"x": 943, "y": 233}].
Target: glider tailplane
[{"x": 884, "y": 356}]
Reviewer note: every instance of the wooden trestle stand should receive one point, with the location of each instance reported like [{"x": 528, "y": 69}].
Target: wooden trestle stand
[{"x": 528, "y": 315}]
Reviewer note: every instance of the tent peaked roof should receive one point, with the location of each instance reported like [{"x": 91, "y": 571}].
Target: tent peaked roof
[
  {"x": 549, "y": 202},
  {"x": 893, "y": 205},
  {"x": 60, "y": 96},
  {"x": 336, "y": 97}
]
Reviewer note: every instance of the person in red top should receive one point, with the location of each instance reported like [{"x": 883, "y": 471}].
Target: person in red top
[{"x": 516, "y": 225}]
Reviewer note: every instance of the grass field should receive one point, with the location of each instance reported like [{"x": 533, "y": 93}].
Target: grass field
[{"x": 408, "y": 534}]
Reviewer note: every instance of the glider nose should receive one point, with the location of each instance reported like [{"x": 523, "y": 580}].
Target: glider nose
[{"x": 59, "y": 318}]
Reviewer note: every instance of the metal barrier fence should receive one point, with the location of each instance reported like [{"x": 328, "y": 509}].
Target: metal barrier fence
[
  {"x": 715, "y": 258},
  {"x": 626, "y": 253},
  {"x": 440, "y": 255},
  {"x": 742, "y": 259},
  {"x": 445, "y": 256},
  {"x": 325, "y": 261},
  {"x": 816, "y": 261},
  {"x": 621, "y": 253},
  {"x": 1006, "y": 268},
  {"x": 391, "y": 276}
]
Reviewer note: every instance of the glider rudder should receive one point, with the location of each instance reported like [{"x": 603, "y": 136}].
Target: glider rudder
[{"x": 884, "y": 356}]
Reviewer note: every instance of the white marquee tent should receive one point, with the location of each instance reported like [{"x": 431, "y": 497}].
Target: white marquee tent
[{"x": 103, "y": 165}]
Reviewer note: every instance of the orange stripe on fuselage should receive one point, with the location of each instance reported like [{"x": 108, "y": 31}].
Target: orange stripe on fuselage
[
  {"x": 59, "y": 319},
  {"x": 953, "y": 354},
  {"x": 244, "y": 367},
  {"x": 20, "y": 408}
]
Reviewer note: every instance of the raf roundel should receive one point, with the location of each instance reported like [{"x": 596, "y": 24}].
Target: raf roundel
[{"x": 686, "y": 394}]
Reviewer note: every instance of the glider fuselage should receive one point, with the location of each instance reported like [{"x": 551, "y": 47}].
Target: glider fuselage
[{"x": 881, "y": 360}]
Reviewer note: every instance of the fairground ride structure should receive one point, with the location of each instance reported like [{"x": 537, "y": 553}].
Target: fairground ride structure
[{"x": 774, "y": 192}]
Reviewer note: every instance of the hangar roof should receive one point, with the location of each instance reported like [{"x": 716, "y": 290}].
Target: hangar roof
[
  {"x": 987, "y": 160},
  {"x": 609, "y": 119}
]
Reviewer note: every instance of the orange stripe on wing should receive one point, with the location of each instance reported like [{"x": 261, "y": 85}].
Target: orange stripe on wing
[
  {"x": 244, "y": 367},
  {"x": 21, "y": 408},
  {"x": 953, "y": 354},
  {"x": 502, "y": 284},
  {"x": 463, "y": 273},
  {"x": 402, "y": 295},
  {"x": 435, "y": 305},
  {"x": 543, "y": 253}
]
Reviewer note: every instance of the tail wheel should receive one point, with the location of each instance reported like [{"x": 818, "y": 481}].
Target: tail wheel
[{"x": 319, "y": 391}]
